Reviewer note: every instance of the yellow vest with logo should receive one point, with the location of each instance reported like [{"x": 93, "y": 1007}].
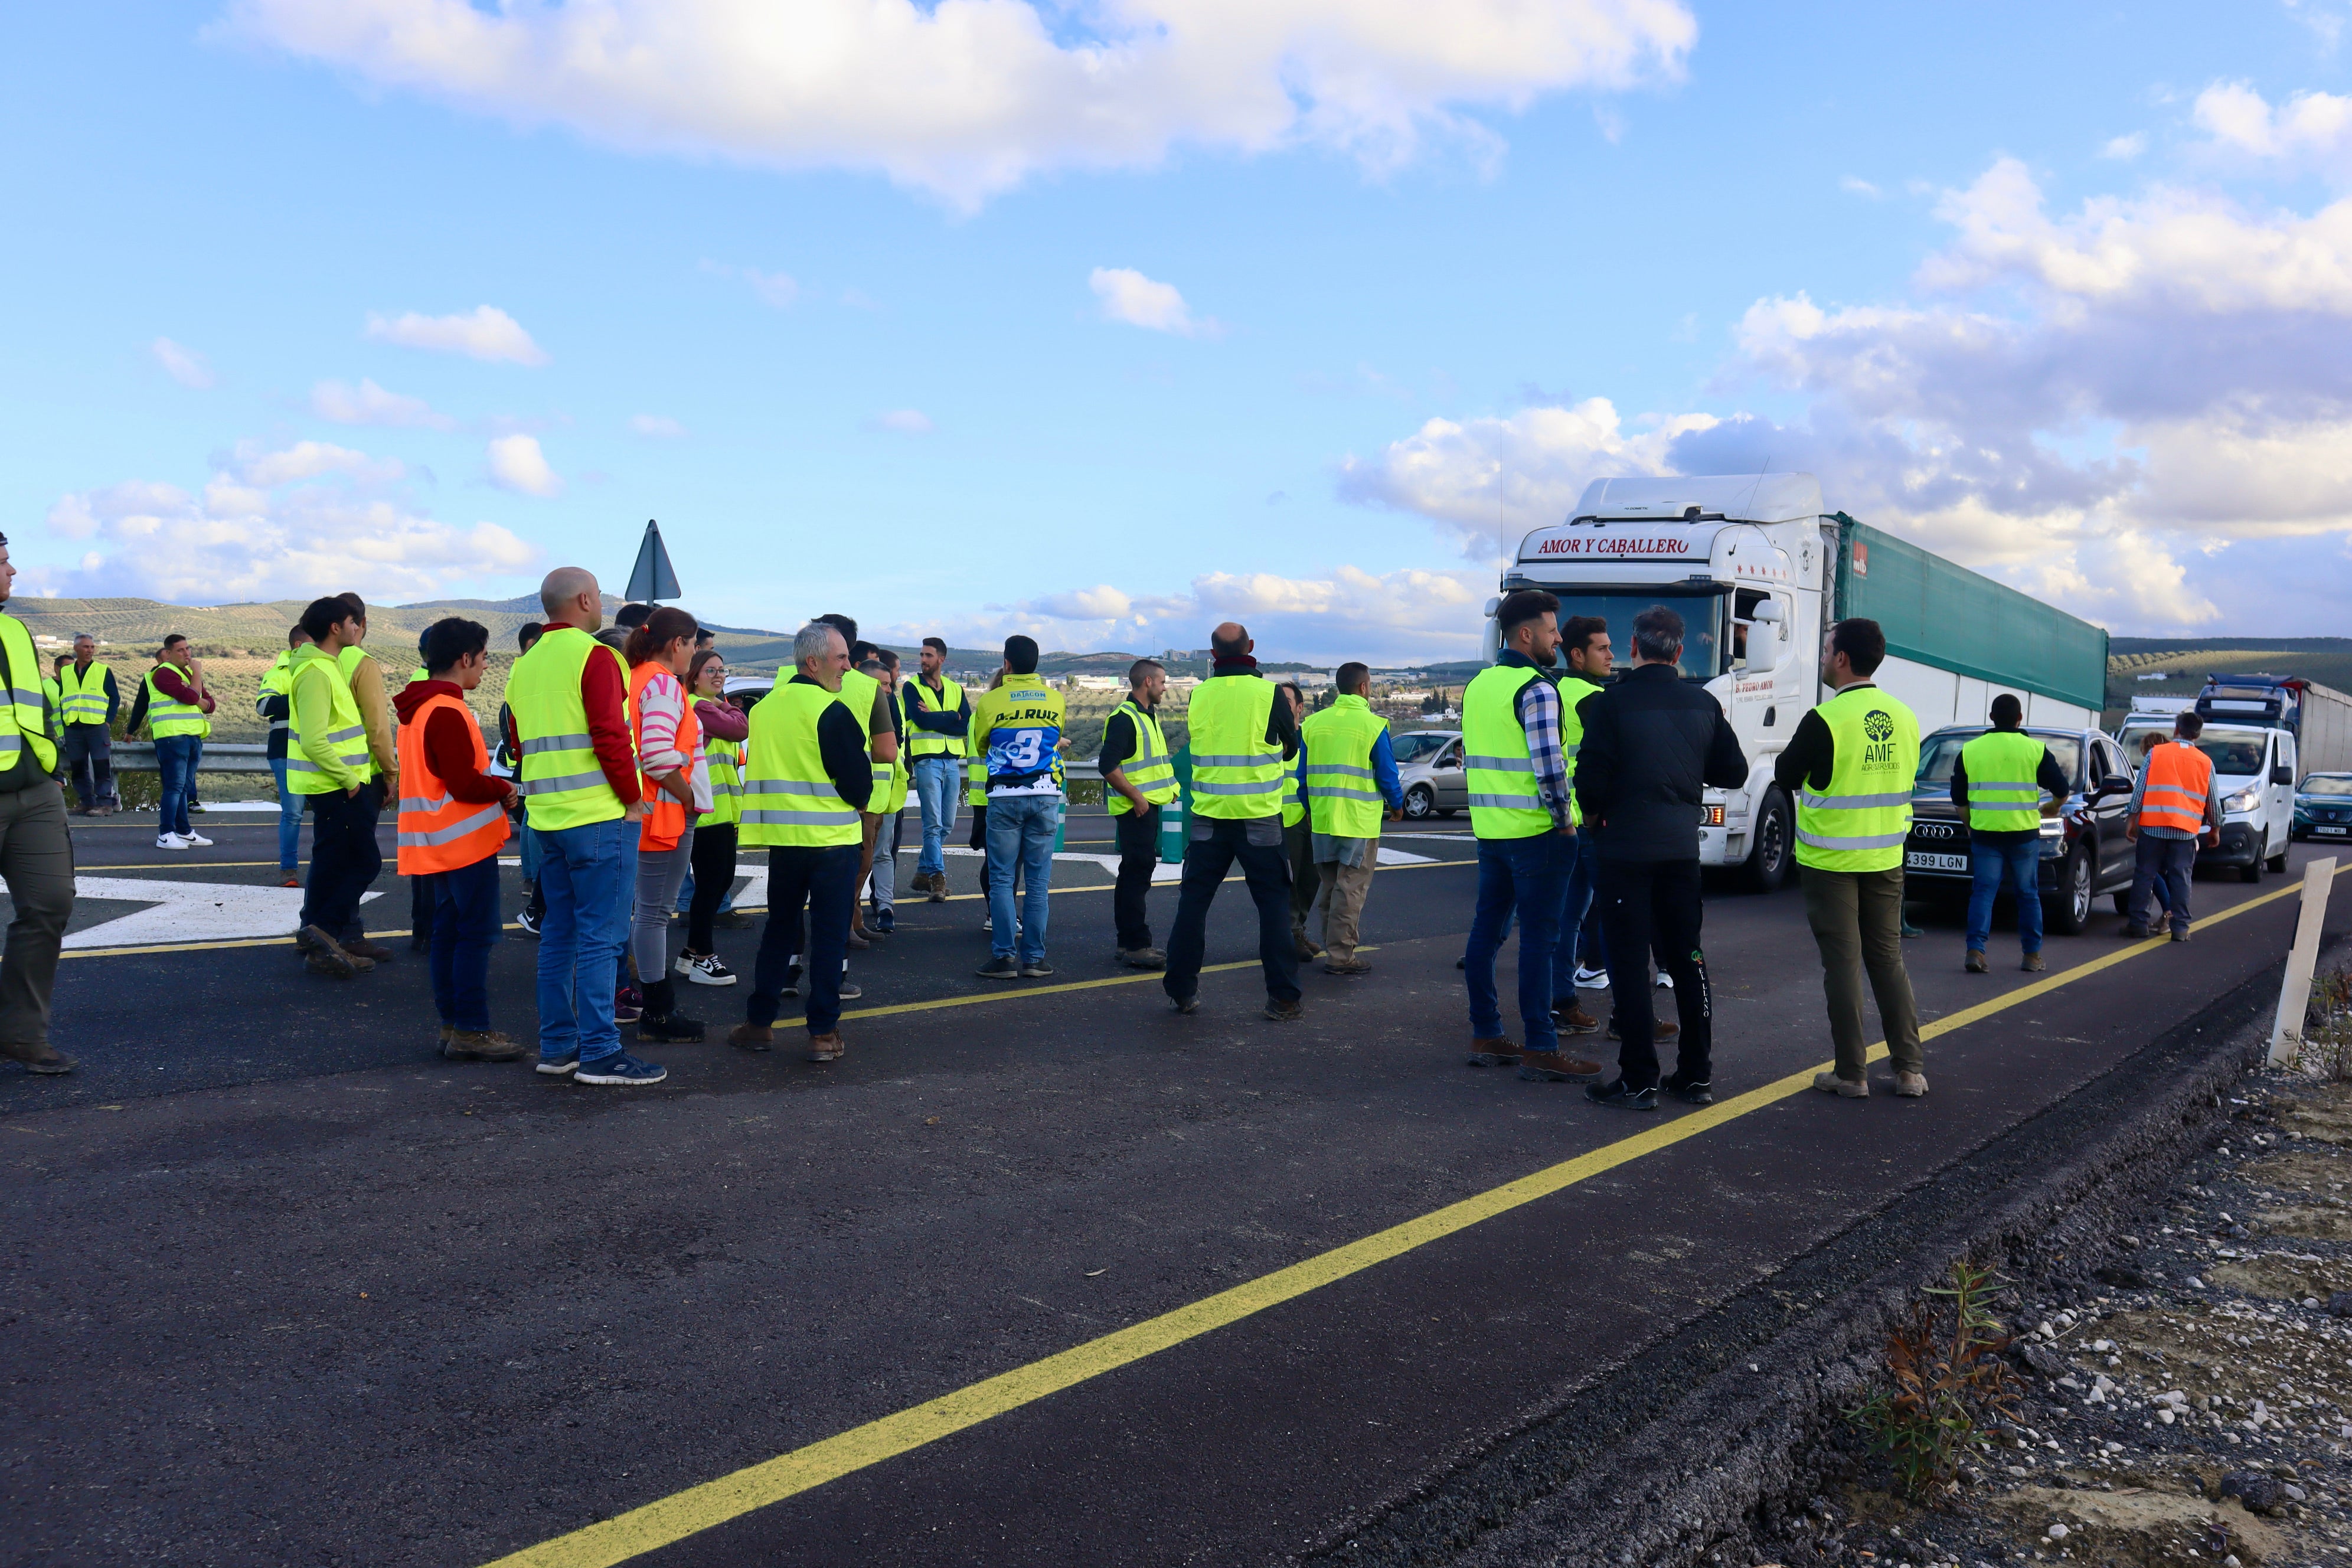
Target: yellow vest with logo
[
  {"x": 788, "y": 797},
  {"x": 1236, "y": 771},
  {"x": 24, "y": 718},
  {"x": 563, "y": 783},
  {"x": 1341, "y": 792},
  {"x": 1497, "y": 770},
  {"x": 346, "y": 737},
  {"x": 2003, "y": 796},
  {"x": 168, "y": 716},
  {"x": 1860, "y": 822},
  {"x": 1150, "y": 769},
  {"x": 82, "y": 693},
  {"x": 929, "y": 743}
]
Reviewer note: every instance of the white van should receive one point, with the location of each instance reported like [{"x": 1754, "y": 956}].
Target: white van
[{"x": 2255, "y": 773}]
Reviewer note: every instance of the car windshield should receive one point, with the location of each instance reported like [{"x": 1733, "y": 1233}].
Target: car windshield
[
  {"x": 1418, "y": 746},
  {"x": 2234, "y": 751},
  {"x": 1941, "y": 751},
  {"x": 1704, "y": 619},
  {"x": 2329, "y": 783}
]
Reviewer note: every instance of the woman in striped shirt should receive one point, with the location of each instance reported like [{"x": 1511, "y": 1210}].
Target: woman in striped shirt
[{"x": 677, "y": 784}]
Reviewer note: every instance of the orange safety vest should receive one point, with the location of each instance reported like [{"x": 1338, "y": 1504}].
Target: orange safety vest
[
  {"x": 667, "y": 816},
  {"x": 2179, "y": 777},
  {"x": 439, "y": 832}
]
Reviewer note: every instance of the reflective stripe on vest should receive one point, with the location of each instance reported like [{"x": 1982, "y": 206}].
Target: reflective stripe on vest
[
  {"x": 83, "y": 693},
  {"x": 169, "y": 715},
  {"x": 1342, "y": 794},
  {"x": 725, "y": 759},
  {"x": 438, "y": 831},
  {"x": 279, "y": 681},
  {"x": 2179, "y": 780},
  {"x": 2002, "y": 766},
  {"x": 346, "y": 738},
  {"x": 929, "y": 742},
  {"x": 563, "y": 784},
  {"x": 1237, "y": 772},
  {"x": 24, "y": 716},
  {"x": 1152, "y": 770},
  {"x": 1859, "y": 821},
  {"x": 1497, "y": 772},
  {"x": 788, "y": 797},
  {"x": 1294, "y": 798}
]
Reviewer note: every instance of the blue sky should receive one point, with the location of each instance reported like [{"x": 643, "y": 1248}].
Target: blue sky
[{"x": 1111, "y": 320}]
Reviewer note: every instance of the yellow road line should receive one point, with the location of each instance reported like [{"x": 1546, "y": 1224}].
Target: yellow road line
[{"x": 673, "y": 1518}]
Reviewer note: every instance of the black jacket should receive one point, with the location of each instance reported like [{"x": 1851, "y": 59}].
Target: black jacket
[{"x": 1651, "y": 741}]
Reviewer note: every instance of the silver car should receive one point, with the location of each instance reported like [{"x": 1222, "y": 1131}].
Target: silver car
[{"x": 1429, "y": 766}]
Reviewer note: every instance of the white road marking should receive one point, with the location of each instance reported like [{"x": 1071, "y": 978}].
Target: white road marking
[{"x": 187, "y": 911}]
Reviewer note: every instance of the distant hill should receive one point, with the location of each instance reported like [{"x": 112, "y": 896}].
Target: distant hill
[{"x": 2180, "y": 665}]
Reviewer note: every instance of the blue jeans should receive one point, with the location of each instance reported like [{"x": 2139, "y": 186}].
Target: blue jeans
[
  {"x": 1020, "y": 834},
  {"x": 2161, "y": 871},
  {"x": 936, "y": 779},
  {"x": 466, "y": 920},
  {"x": 589, "y": 875},
  {"x": 1527, "y": 876},
  {"x": 1583, "y": 883},
  {"x": 289, "y": 818},
  {"x": 175, "y": 760},
  {"x": 2017, "y": 866},
  {"x": 529, "y": 852}
]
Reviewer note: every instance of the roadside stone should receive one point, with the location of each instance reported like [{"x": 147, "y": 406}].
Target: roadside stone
[{"x": 2260, "y": 1493}]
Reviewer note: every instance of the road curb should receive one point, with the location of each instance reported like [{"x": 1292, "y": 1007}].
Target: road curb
[{"x": 1620, "y": 1469}]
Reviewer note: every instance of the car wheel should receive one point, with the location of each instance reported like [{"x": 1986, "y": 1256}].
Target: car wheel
[
  {"x": 2278, "y": 861},
  {"x": 1774, "y": 844},
  {"x": 1449, "y": 811},
  {"x": 2251, "y": 871},
  {"x": 2068, "y": 910},
  {"x": 1419, "y": 801}
]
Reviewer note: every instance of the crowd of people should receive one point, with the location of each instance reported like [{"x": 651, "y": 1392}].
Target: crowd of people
[{"x": 632, "y": 784}]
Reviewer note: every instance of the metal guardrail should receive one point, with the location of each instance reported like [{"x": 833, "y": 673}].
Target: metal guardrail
[{"x": 217, "y": 757}]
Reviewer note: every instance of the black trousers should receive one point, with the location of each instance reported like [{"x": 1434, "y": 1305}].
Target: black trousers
[
  {"x": 1212, "y": 844},
  {"x": 343, "y": 859},
  {"x": 90, "y": 755},
  {"x": 1138, "y": 856},
  {"x": 823, "y": 882},
  {"x": 713, "y": 861},
  {"x": 1645, "y": 903}
]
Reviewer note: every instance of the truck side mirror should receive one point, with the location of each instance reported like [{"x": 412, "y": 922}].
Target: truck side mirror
[
  {"x": 1763, "y": 646},
  {"x": 2282, "y": 775}
]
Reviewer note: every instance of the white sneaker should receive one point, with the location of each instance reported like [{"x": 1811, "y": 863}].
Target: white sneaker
[
  {"x": 705, "y": 970},
  {"x": 172, "y": 841},
  {"x": 1587, "y": 979},
  {"x": 199, "y": 840}
]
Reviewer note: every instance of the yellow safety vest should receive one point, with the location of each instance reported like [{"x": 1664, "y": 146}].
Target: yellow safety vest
[
  {"x": 1497, "y": 770},
  {"x": 1237, "y": 772},
  {"x": 929, "y": 743},
  {"x": 725, "y": 759},
  {"x": 788, "y": 797},
  {"x": 902, "y": 770},
  {"x": 168, "y": 716},
  {"x": 1341, "y": 791},
  {"x": 24, "y": 718},
  {"x": 1150, "y": 769},
  {"x": 83, "y": 693},
  {"x": 346, "y": 737},
  {"x": 2003, "y": 796},
  {"x": 1860, "y": 822},
  {"x": 563, "y": 784}
]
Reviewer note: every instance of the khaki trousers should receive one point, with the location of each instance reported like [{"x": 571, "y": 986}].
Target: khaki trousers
[
  {"x": 1342, "y": 898},
  {"x": 36, "y": 861},
  {"x": 1857, "y": 921}
]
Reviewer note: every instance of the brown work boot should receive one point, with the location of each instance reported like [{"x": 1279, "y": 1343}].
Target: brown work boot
[
  {"x": 1303, "y": 945},
  {"x": 1350, "y": 964},
  {"x": 1910, "y": 1085},
  {"x": 373, "y": 952},
  {"x": 1976, "y": 964},
  {"x": 1660, "y": 1030},
  {"x": 1850, "y": 1089},
  {"x": 1499, "y": 1051},
  {"x": 826, "y": 1048},
  {"x": 324, "y": 955},
  {"x": 44, "y": 1058},
  {"x": 447, "y": 1030},
  {"x": 1143, "y": 958},
  {"x": 481, "y": 1046},
  {"x": 1573, "y": 1019},
  {"x": 2034, "y": 963},
  {"x": 752, "y": 1037},
  {"x": 1552, "y": 1066}
]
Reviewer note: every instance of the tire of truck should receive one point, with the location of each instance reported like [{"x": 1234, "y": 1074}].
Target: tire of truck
[
  {"x": 2278, "y": 861},
  {"x": 2251, "y": 871},
  {"x": 2068, "y": 910},
  {"x": 1772, "y": 855},
  {"x": 1420, "y": 804}
]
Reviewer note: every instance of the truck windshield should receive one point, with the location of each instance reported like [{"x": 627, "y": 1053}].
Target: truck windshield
[
  {"x": 1705, "y": 616},
  {"x": 1940, "y": 751}
]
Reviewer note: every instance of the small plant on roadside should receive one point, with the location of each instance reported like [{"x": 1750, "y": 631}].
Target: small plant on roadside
[
  {"x": 1945, "y": 1384},
  {"x": 2328, "y": 1028}
]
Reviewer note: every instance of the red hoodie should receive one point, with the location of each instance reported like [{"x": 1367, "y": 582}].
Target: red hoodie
[{"x": 449, "y": 743}]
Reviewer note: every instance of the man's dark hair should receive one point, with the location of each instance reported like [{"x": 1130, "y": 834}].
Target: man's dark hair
[
  {"x": 1862, "y": 643},
  {"x": 2188, "y": 725},
  {"x": 447, "y": 641},
  {"x": 526, "y": 634},
  {"x": 1232, "y": 649},
  {"x": 1576, "y": 632},
  {"x": 859, "y": 652},
  {"x": 1140, "y": 670},
  {"x": 295, "y": 635},
  {"x": 324, "y": 615},
  {"x": 173, "y": 640},
  {"x": 842, "y": 624},
  {"x": 655, "y": 633},
  {"x": 704, "y": 637},
  {"x": 1521, "y": 606},
  {"x": 939, "y": 643},
  {"x": 889, "y": 659},
  {"x": 1348, "y": 677},
  {"x": 1297, "y": 691},
  {"x": 2007, "y": 712},
  {"x": 1020, "y": 654},
  {"x": 629, "y": 617},
  {"x": 358, "y": 606},
  {"x": 1658, "y": 634},
  {"x": 421, "y": 643}
]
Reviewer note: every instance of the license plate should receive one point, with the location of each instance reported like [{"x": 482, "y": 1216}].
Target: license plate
[
  {"x": 1920, "y": 861},
  {"x": 2338, "y": 832}
]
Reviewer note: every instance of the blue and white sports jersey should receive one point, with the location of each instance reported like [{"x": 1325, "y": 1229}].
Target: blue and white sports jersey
[{"x": 1017, "y": 728}]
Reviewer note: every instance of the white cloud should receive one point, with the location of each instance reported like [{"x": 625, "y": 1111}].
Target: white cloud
[
  {"x": 1860, "y": 187},
  {"x": 657, "y": 427},
  {"x": 486, "y": 333},
  {"x": 1127, "y": 296},
  {"x": 1396, "y": 617},
  {"x": 969, "y": 98},
  {"x": 368, "y": 404},
  {"x": 290, "y": 523},
  {"x": 905, "y": 421},
  {"x": 2124, "y": 149},
  {"x": 517, "y": 464},
  {"x": 183, "y": 365},
  {"x": 2312, "y": 129}
]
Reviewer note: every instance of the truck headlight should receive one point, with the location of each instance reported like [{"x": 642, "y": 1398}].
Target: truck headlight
[
  {"x": 2244, "y": 799},
  {"x": 1710, "y": 816}
]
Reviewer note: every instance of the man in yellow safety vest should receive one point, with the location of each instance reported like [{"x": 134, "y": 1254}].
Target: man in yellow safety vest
[
  {"x": 1997, "y": 783},
  {"x": 939, "y": 716},
  {"x": 1350, "y": 773},
  {"x": 89, "y": 699},
  {"x": 36, "y": 848},
  {"x": 1139, "y": 777}
]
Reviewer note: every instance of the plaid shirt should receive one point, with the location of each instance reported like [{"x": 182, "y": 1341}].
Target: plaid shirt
[{"x": 1539, "y": 712}]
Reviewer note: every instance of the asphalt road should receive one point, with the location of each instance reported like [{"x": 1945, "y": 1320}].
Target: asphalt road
[{"x": 282, "y": 1287}]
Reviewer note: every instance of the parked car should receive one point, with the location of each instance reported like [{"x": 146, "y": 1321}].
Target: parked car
[
  {"x": 2322, "y": 806},
  {"x": 2083, "y": 851},
  {"x": 1429, "y": 767}
]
